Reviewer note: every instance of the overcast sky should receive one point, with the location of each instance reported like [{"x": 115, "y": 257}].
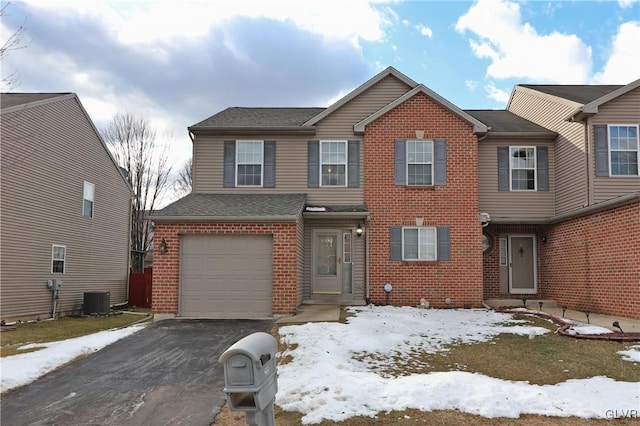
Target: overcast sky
[{"x": 179, "y": 62}]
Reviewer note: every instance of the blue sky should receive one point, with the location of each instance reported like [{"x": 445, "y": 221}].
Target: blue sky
[{"x": 177, "y": 65}]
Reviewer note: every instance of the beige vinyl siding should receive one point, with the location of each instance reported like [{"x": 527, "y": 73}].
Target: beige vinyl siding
[
  {"x": 291, "y": 171},
  {"x": 512, "y": 204},
  {"x": 623, "y": 110},
  {"x": 550, "y": 112},
  {"x": 48, "y": 152},
  {"x": 358, "y": 253},
  {"x": 340, "y": 123}
]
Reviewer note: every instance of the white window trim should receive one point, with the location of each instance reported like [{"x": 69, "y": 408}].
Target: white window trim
[
  {"x": 261, "y": 163},
  {"x": 346, "y": 163},
  {"x": 433, "y": 153},
  {"x": 85, "y": 197},
  {"x": 535, "y": 168},
  {"x": 637, "y": 151},
  {"x": 435, "y": 241},
  {"x": 64, "y": 260}
]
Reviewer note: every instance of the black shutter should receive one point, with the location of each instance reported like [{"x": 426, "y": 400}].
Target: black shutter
[
  {"x": 229, "y": 178},
  {"x": 542, "y": 164},
  {"x": 503, "y": 168},
  {"x": 601, "y": 150},
  {"x": 269, "y": 172},
  {"x": 443, "y": 243},
  {"x": 440, "y": 162},
  {"x": 400, "y": 161},
  {"x": 354, "y": 164},
  {"x": 313, "y": 164},
  {"x": 395, "y": 240}
]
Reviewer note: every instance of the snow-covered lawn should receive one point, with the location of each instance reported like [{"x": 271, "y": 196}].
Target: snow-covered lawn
[
  {"x": 19, "y": 370},
  {"x": 330, "y": 374}
]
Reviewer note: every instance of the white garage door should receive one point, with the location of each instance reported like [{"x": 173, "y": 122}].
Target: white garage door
[{"x": 225, "y": 276}]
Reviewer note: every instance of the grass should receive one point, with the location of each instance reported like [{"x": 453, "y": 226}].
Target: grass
[{"x": 54, "y": 330}]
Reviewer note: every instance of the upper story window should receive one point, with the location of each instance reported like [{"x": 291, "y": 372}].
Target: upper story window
[
  {"x": 420, "y": 162},
  {"x": 623, "y": 150},
  {"x": 58, "y": 259},
  {"x": 333, "y": 163},
  {"x": 523, "y": 168},
  {"x": 522, "y": 165},
  {"x": 249, "y": 162},
  {"x": 88, "y": 197},
  {"x": 419, "y": 243}
]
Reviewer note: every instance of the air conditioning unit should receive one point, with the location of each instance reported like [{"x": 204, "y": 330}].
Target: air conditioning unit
[{"x": 97, "y": 302}]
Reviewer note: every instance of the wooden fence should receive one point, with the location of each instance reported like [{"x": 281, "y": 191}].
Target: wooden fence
[{"x": 140, "y": 288}]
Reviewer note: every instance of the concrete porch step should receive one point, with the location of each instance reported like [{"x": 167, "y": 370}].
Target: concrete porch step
[{"x": 517, "y": 303}]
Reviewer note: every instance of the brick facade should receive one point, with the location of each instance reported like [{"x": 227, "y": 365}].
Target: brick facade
[
  {"x": 454, "y": 205},
  {"x": 166, "y": 267},
  {"x": 592, "y": 263}
]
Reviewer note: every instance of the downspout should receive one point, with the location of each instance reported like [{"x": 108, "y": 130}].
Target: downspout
[{"x": 366, "y": 261}]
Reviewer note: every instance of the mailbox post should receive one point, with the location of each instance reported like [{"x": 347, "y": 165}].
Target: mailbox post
[{"x": 250, "y": 377}]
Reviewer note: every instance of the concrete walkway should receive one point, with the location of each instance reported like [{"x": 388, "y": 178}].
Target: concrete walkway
[
  {"x": 628, "y": 325},
  {"x": 331, "y": 313}
]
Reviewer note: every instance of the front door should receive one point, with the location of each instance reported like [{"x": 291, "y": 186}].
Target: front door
[
  {"x": 327, "y": 261},
  {"x": 522, "y": 264}
]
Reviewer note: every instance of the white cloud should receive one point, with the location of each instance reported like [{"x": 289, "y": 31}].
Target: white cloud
[
  {"x": 470, "y": 84},
  {"x": 496, "y": 94},
  {"x": 425, "y": 31},
  {"x": 626, "y": 3},
  {"x": 623, "y": 65},
  {"x": 516, "y": 50}
]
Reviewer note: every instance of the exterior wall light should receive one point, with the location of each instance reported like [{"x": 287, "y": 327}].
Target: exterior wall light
[
  {"x": 163, "y": 246},
  {"x": 359, "y": 230}
]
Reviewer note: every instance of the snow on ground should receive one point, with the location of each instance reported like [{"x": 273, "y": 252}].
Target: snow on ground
[
  {"x": 330, "y": 375},
  {"x": 22, "y": 369},
  {"x": 587, "y": 329},
  {"x": 631, "y": 354}
]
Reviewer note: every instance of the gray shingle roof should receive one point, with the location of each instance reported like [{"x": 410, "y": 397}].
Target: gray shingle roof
[
  {"x": 258, "y": 117},
  {"x": 221, "y": 206},
  {"x": 581, "y": 93},
  {"x": 503, "y": 121},
  {"x": 8, "y": 100}
]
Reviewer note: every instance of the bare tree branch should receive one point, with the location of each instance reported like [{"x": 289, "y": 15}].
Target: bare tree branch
[
  {"x": 14, "y": 42},
  {"x": 182, "y": 184},
  {"x": 133, "y": 143}
]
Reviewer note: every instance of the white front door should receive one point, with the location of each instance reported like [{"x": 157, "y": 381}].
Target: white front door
[{"x": 523, "y": 277}]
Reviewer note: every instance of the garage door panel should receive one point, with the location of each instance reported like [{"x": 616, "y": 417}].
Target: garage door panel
[{"x": 226, "y": 276}]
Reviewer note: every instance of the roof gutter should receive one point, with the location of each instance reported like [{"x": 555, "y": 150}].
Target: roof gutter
[
  {"x": 523, "y": 135},
  {"x": 225, "y": 219},
  {"x": 294, "y": 130},
  {"x": 344, "y": 215}
]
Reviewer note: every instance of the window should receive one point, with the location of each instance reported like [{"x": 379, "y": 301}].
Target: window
[
  {"x": 87, "y": 203},
  {"x": 419, "y": 243},
  {"x": 419, "y": 162},
  {"x": 249, "y": 156},
  {"x": 58, "y": 256},
  {"x": 333, "y": 163},
  {"x": 623, "y": 150},
  {"x": 522, "y": 165},
  {"x": 346, "y": 247}
]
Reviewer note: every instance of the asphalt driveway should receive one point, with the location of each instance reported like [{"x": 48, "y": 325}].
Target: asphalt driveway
[{"x": 166, "y": 374}]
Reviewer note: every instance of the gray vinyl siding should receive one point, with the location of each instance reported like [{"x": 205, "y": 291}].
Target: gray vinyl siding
[
  {"x": 339, "y": 125},
  {"x": 358, "y": 253},
  {"x": 48, "y": 151},
  {"x": 512, "y": 204},
  {"x": 550, "y": 112},
  {"x": 291, "y": 172},
  {"x": 622, "y": 110}
]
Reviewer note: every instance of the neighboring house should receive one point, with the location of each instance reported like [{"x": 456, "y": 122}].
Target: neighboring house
[
  {"x": 392, "y": 184},
  {"x": 65, "y": 208}
]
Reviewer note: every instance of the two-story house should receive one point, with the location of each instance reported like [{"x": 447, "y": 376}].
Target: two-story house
[
  {"x": 65, "y": 209},
  {"x": 382, "y": 197}
]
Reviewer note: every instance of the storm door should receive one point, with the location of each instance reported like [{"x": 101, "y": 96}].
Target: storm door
[
  {"x": 327, "y": 261},
  {"x": 522, "y": 264}
]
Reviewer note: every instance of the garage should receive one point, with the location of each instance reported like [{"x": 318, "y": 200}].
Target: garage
[{"x": 225, "y": 276}]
